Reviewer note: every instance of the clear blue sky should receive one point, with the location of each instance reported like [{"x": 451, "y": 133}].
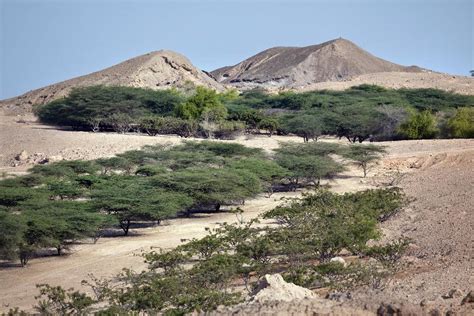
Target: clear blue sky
[{"x": 43, "y": 42}]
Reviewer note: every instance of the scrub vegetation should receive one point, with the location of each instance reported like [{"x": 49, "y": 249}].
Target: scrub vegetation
[
  {"x": 61, "y": 203},
  {"x": 360, "y": 113}
]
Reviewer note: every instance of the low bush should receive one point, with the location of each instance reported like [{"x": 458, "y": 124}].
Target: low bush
[
  {"x": 461, "y": 125},
  {"x": 202, "y": 274}
]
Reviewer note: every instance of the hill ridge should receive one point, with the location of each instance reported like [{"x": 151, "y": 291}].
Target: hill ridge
[{"x": 292, "y": 67}]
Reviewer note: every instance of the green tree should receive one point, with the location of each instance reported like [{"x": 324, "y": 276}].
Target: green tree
[
  {"x": 210, "y": 186},
  {"x": 131, "y": 199},
  {"x": 269, "y": 172},
  {"x": 203, "y": 99},
  {"x": 420, "y": 125},
  {"x": 309, "y": 162},
  {"x": 461, "y": 125},
  {"x": 364, "y": 155},
  {"x": 306, "y": 126},
  {"x": 57, "y": 225},
  {"x": 11, "y": 238}
]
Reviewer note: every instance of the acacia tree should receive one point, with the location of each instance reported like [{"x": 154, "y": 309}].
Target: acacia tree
[
  {"x": 310, "y": 162},
  {"x": 364, "y": 155},
  {"x": 202, "y": 99},
  {"x": 133, "y": 198},
  {"x": 306, "y": 126},
  {"x": 60, "y": 223},
  {"x": 268, "y": 171},
  {"x": 309, "y": 168},
  {"x": 12, "y": 227},
  {"x": 211, "y": 186},
  {"x": 270, "y": 124}
]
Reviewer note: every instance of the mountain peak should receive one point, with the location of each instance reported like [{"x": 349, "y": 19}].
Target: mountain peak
[{"x": 292, "y": 67}]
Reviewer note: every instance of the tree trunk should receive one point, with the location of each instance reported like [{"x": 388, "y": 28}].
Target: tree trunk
[{"x": 125, "y": 225}]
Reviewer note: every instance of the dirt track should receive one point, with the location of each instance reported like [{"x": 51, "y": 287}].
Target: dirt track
[{"x": 439, "y": 174}]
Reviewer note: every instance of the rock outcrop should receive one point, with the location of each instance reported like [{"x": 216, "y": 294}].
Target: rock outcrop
[{"x": 274, "y": 288}]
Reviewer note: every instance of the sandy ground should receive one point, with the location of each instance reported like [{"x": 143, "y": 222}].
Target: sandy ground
[{"x": 438, "y": 173}]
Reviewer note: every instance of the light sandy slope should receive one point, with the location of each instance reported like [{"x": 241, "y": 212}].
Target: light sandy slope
[
  {"x": 439, "y": 184},
  {"x": 397, "y": 80}
]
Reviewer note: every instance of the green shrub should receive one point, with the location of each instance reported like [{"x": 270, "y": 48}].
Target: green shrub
[
  {"x": 461, "y": 125},
  {"x": 419, "y": 126}
]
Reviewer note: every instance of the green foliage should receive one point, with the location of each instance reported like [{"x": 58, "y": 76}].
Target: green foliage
[
  {"x": 251, "y": 117},
  {"x": 358, "y": 113},
  {"x": 270, "y": 124},
  {"x": 420, "y": 126},
  {"x": 54, "y": 300},
  {"x": 309, "y": 162},
  {"x": 59, "y": 224},
  {"x": 99, "y": 107},
  {"x": 63, "y": 169},
  {"x": 304, "y": 125},
  {"x": 209, "y": 186},
  {"x": 130, "y": 199},
  {"x": 12, "y": 227},
  {"x": 364, "y": 155},
  {"x": 269, "y": 172},
  {"x": 11, "y": 196},
  {"x": 202, "y": 274},
  {"x": 115, "y": 164},
  {"x": 389, "y": 253},
  {"x": 229, "y": 129},
  {"x": 202, "y": 102},
  {"x": 461, "y": 125}
]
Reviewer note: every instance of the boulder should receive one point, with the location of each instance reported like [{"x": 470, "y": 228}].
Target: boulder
[
  {"x": 55, "y": 158},
  {"x": 339, "y": 260},
  {"x": 275, "y": 288},
  {"x": 22, "y": 156}
]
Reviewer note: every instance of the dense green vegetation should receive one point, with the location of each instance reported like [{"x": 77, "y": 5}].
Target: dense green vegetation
[
  {"x": 202, "y": 274},
  {"x": 360, "y": 113},
  {"x": 61, "y": 203}
]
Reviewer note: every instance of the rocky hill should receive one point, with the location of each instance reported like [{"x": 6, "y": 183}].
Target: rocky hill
[
  {"x": 295, "y": 67},
  {"x": 157, "y": 70}
]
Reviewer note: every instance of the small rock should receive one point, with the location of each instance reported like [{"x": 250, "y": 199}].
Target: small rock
[
  {"x": 55, "y": 158},
  {"x": 272, "y": 288},
  {"x": 339, "y": 260},
  {"x": 22, "y": 156}
]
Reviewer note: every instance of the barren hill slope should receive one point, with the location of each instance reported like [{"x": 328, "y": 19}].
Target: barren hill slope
[
  {"x": 157, "y": 70},
  {"x": 294, "y": 67}
]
